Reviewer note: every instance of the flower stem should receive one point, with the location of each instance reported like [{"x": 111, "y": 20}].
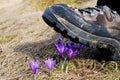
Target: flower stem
[
  {"x": 61, "y": 65},
  {"x": 50, "y": 73},
  {"x": 66, "y": 67},
  {"x": 35, "y": 77}
]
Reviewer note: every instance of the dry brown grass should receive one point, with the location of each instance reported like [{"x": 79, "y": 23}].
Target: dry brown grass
[
  {"x": 25, "y": 36},
  {"x": 42, "y": 4}
]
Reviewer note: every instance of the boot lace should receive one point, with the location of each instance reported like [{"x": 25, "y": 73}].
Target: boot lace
[{"x": 101, "y": 9}]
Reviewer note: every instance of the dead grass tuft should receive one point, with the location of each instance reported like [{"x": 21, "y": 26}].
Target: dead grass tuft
[{"x": 5, "y": 38}]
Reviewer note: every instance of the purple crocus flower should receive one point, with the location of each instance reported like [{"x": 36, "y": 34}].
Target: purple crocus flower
[
  {"x": 50, "y": 63},
  {"x": 71, "y": 53},
  {"x": 79, "y": 46},
  {"x": 59, "y": 38},
  {"x": 59, "y": 45},
  {"x": 34, "y": 65},
  {"x": 71, "y": 50},
  {"x": 69, "y": 44}
]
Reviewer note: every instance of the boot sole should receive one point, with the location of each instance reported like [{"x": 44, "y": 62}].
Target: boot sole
[{"x": 78, "y": 35}]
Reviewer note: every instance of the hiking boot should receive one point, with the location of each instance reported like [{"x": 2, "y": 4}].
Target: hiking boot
[{"x": 97, "y": 27}]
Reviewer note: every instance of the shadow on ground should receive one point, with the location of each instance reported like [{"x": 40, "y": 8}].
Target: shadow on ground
[
  {"x": 40, "y": 49},
  {"x": 44, "y": 49}
]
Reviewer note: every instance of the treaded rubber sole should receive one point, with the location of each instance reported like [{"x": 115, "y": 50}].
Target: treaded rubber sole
[{"x": 78, "y": 35}]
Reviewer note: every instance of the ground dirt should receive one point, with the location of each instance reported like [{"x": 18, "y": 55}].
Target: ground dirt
[{"x": 25, "y": 36}]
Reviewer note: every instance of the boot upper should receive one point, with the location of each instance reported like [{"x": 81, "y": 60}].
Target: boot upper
[{"x": 100, "y": 21}]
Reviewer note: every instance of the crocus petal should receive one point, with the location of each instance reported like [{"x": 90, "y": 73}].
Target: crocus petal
[
  {"x": 69, "y": 44},
  {"x": 60, "y": 47},
  {"x": 60, "y": 36},
  {"x": 71, "y": 53},
  {"x": 50, "y": 63},
  {"x": 80, "y": 46},
  {"x": 34, "y": 65}
]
